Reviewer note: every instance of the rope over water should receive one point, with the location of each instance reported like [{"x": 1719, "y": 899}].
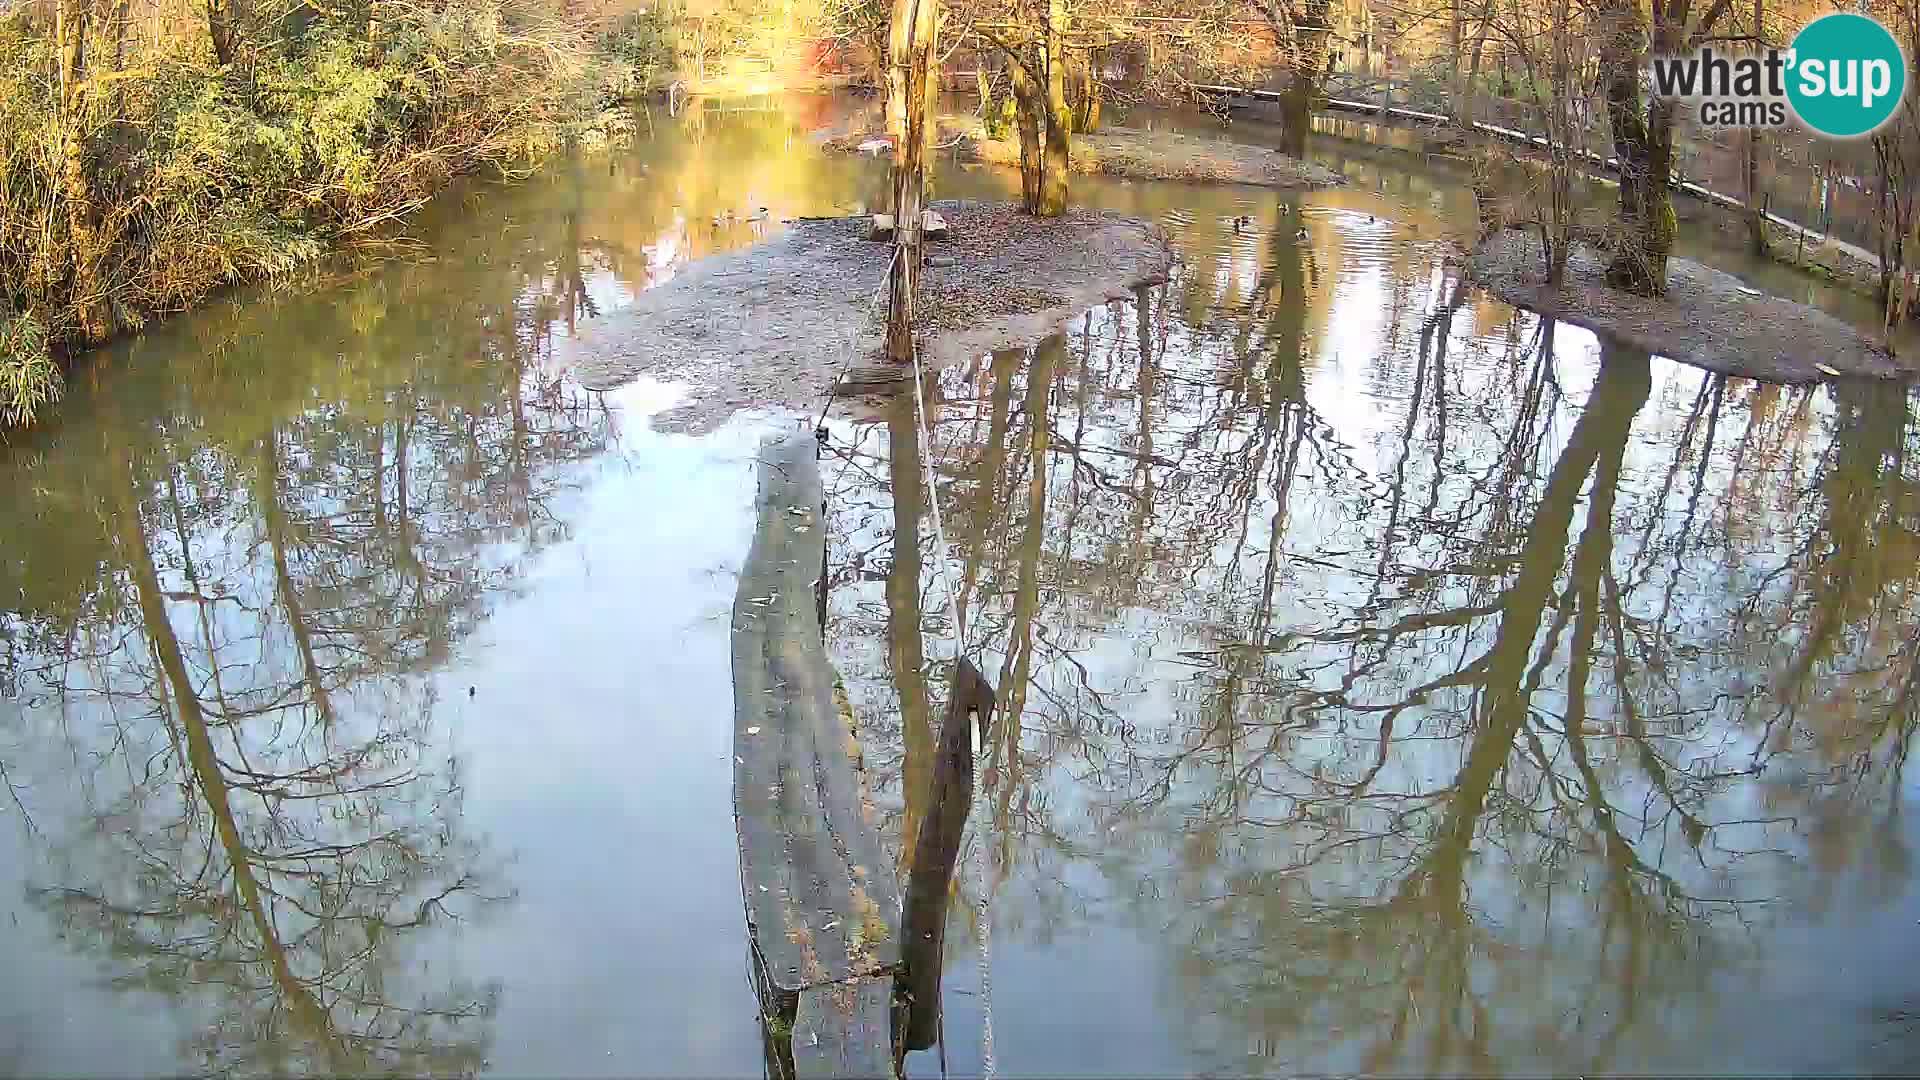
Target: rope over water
[{"x": 976, "y": 814}]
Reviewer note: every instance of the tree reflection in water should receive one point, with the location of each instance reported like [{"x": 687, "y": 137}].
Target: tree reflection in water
[
  {"x": 1420, "y": 687},
  {"x": 241, "y": 785},
  {"x": 1479, "y": 724}
]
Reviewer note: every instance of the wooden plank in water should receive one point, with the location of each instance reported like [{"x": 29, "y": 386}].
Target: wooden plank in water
[
  {"x": 844, "y": 1030},
  {"x": 823, "y": 902},
  {"x": 970, "y": 700},
  {"x": 882, "y": 378}
]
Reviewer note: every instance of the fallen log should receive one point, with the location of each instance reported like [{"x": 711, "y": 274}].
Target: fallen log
[{"x": 822, "y": 899}]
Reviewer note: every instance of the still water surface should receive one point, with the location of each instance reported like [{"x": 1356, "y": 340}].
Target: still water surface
[{"x": 1393, "y": 682}]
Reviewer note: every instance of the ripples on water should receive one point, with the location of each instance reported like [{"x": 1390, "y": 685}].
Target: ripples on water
[{"x": 1392, "y": 682}]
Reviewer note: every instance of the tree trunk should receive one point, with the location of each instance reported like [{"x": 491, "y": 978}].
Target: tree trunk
[
  {"x": 1559, "y": 246},
  {"x": 1029, "y": 113},
  {"x": 1085, "y": 93},
  {"x": 1476, "y": 53},
  {"x": 898, "y": 72},
  {"x": 1456, "y": 59},
  {"x": 122, "y": 15},
  {"x": 1894, "y": 206},
  {"x": 1053, "y": 172},
  {"x": 910, "y": 59},
  {"x": 1643, "y": 142},
  {"x": 930, "y": 79},
  {"x": 223, "y": 29},
  {"x": 1308, "y": 54},
  {"x": 73, "y": 20},
  {"x": 1756, "y": 202},
  {"x": 273, "y": 518},
  {"x": 1091, "y": 102}
]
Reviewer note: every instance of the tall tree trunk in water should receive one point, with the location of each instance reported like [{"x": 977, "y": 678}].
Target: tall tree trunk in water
[
  {"x": 73, "y": 20},
  {"x": 1053, "y": 172},
  {"x": 986, "y": 518},
  {"x": 895, "y": 74},
  {"x": 930, "y": 84},
  {"x": 1643, "y": 141},
  {"x": 910, "y": 60},
  {"x": 1038, "y": 70},
  {"x": 1091, "y": 99}
]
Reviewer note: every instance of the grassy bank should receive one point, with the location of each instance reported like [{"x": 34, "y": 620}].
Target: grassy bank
[{"x": 148, "y": 158}]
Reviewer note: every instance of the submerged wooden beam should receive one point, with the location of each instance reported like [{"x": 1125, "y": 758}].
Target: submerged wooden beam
[
  {"x": 970, "y": 701},
  {"x": 822, "y": 899}
]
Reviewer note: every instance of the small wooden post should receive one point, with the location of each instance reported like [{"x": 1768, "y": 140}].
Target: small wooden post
[{"x": 929, "y": 880}]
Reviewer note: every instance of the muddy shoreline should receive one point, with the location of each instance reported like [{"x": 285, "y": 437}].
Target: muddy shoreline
[
  {"x": 776, "y": 325},
  {"x": 1136, "y": 154},
  {"x": 1129, "y": 153},
  {"x": 1709, "y": 318}
]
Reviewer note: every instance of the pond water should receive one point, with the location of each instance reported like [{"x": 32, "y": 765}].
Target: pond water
[{"x": 1392, "y": 682}]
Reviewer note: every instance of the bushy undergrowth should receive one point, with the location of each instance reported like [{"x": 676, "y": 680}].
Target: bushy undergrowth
[
  {"x": 197, "y": 176},
  {"x": 28, "y": 377},
  {"x": 645, "y": 46}
]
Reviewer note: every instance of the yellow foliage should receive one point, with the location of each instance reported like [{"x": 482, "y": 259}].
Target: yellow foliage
[{"x": 323, "y": 132}]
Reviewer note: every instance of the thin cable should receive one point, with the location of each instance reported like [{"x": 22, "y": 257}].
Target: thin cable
[
  {"x": 923, "y": 438},
  {"x": 853, "y": 348}
]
